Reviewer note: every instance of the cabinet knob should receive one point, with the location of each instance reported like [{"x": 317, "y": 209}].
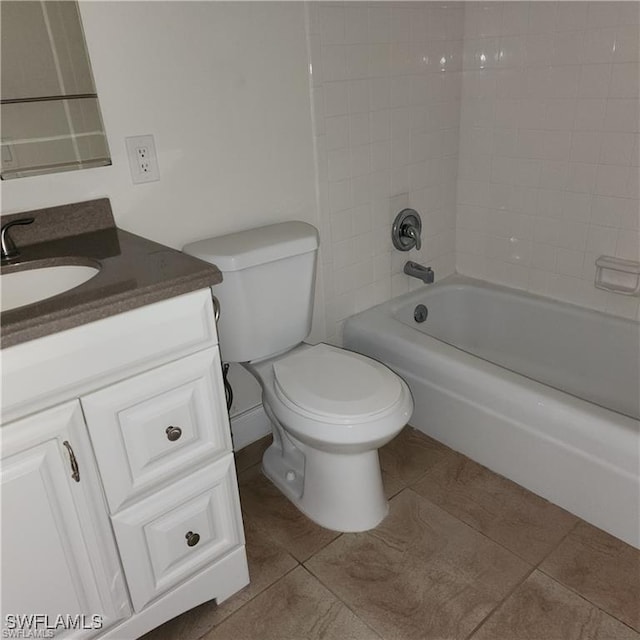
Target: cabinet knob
[
  {"x": 173, "y": 433},
  {"x": 192, "y": 538}
]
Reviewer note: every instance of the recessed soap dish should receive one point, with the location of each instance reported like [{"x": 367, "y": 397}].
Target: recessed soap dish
[{"x": 618, "y": 275}]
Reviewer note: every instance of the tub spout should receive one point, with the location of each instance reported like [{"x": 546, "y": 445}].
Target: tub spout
[{"x": 416, "y": 270}]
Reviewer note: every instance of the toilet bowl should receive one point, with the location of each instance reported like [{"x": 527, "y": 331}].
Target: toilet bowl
[{"x": 330, "y": 409}]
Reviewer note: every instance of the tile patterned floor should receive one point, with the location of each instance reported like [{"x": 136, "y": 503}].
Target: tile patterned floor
[{"x": 464, "y": 554}]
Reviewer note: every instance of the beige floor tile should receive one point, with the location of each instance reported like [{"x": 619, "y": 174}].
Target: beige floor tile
[
  {"x": 421, "y": 574},
  {"x": 500, "y": 509},
  {"x": 601, "y": 568},
  {"x": 407, "y": 457},
  {"x": 542, "y": 609},
  {"x": 191, "y": 625},
  {"x": 267, "y": 563},
  {"x": 297, "y": 607},
  {"x": 268, "y": 510},
  {"x": 252, "y": 454}
]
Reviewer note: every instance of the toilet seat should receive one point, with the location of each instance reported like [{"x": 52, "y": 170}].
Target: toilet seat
[{"x": 335, "y": 386}]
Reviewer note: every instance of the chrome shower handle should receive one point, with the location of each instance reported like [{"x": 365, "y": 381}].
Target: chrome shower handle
[{"x": 406, "y": 230}]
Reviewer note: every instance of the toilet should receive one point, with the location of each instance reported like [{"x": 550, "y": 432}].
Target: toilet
[{"x": 330, "y": 409}]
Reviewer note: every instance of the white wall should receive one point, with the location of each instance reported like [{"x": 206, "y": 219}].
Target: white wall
[
  {"x": 548, "y": 165},
  {"x": 386, "y": 90},
  {"x": 224, "y": 89}
]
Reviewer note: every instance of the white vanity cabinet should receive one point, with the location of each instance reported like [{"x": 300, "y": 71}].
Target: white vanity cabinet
[
  {"x": 154, "y": 527},
  {"x": 58, "y": 555}
]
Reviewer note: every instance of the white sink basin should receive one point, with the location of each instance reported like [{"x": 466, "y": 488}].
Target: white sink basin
[{"x": 20, "y": 288}]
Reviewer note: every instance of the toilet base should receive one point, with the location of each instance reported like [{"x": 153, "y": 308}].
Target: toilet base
[{"x": 341, "y": 492}]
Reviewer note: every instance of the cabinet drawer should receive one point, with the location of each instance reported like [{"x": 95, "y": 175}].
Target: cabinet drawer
[
  {"x": 174, "y": 533},
  {"x": 157, "y": 426}
]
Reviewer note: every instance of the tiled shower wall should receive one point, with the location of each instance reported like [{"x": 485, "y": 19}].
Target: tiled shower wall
[
  {"x": 385, "y": 82},
  {"x": 548, "y": 165}
]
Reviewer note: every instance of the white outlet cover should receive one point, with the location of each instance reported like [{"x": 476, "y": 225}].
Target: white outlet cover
[{"x": 146, "y": 170}]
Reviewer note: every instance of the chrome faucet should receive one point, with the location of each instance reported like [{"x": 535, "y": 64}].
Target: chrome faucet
[
  {"x": 8, "y": 246},
  {"x": 410, "y": 231},
  {"x": 416, "y": 270},
  {"x": 406, "y": 229}
]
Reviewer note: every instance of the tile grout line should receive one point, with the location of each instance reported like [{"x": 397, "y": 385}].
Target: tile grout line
[
  {"x": 239, "y": 609},
  {"x": 448, "y": 453},
  {"x": 565, "y": 586},
  {"x": 469, "y": 524},
  {"x": 498, "y": 605},
  {"x": 482, "y": 533},
  {"x": 583, "y": 597},
  {"x": 330, "y": 590},
  {"x": 324, "y": 546},
  {"x": 515, "y": 587}
]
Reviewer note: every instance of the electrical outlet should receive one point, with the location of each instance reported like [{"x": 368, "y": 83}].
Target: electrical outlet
[{"x": 143, "y": 161}]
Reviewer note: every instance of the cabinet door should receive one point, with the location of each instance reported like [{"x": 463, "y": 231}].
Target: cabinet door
[{"x": 58, "y": 554}]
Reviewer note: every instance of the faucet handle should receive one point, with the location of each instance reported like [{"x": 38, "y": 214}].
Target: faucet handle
[
  {"x": 8, "y": 247},
  {"x": 406, "y": 230},
  {"x": 410, "y": 231}
]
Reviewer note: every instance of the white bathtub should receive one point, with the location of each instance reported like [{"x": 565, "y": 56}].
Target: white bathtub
[{"x": 542, "y": 392}]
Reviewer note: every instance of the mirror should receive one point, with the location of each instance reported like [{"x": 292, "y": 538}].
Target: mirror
[{"x": 50, "y": 115}]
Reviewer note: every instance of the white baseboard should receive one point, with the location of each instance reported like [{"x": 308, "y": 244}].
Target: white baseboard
[{"x": 249, "y": 426}]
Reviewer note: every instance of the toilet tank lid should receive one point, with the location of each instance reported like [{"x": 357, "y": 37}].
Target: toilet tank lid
[{"x": 244, "y": 249}]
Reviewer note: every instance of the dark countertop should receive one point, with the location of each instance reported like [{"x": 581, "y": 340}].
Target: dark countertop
[{"x": 133, "y": 272}]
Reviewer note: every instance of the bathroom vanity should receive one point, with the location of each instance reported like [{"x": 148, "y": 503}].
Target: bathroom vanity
[{"x": 120, "y": 503}]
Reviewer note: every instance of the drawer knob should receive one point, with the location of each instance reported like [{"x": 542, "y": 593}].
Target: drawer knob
[
  {"x": 192, "y": 538},
  {"x": 173, "y": 433}
]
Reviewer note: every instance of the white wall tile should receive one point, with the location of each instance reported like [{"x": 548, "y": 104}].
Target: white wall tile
[
  {"x": 622, "y": 115},
  {"x": 515, "y": 18},
  {"x": 624, "y": 80},
  {"x": 356, "y": 25},
  {"x": 542, "y": 17},
  {"x": 336, "y": 98},
  {"x": 594, "y": 81},
  {"x": 521, "y": 155},
  {"x": 359, "y": 129},
  {"x": 617, "y": 148},
  {"x": 627, "y": 44},
  {"x": 389, "y": 139},
  {"x": 332, "y": 24},
  {"x": 571, "y": 16},
  {"x": 560, "y": 121},
  {"x": 336, "y": 132},
  {"x": 359, "y": 96},
  {"x": 598, "y": 45},
  {"x": 380, "y": 23},
  {"x": 602, "y": 14}
]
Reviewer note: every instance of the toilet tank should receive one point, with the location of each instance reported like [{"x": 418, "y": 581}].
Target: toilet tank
[{"x": 266, "y": 295}]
